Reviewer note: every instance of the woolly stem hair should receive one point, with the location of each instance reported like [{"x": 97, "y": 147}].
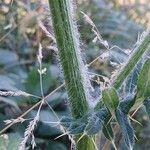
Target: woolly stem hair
[{"x": 76, "y": 81}]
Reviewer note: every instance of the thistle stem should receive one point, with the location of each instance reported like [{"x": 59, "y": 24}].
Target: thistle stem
[
  {"x": 142, "y": 46},
  {"x": 67, "y": 40}
]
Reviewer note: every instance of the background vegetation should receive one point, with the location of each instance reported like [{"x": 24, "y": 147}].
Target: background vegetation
[{"x": 23, "y": 25}]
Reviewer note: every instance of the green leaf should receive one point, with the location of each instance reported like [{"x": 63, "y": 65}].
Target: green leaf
[
  {"x": 96, "y": 122},
  {"x": 94, "y": 125},
  {"x": 99, "y": 105},
  {"x": 141, "y": 47},
  {"x": 147, "y": 105},
  {"x": 110, "y": 99},
  {"x": 126, "y": 128},
  {"x": 76, "y": 128},
  {"x": 143, "y": 83},
  {"x": 107, "y": 129},
  {"x": 127, "y": 103},
  {"x": 10, "y": 141}
]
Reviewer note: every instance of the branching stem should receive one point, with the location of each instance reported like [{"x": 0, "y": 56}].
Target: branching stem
[{"x": 142, "y": 46}]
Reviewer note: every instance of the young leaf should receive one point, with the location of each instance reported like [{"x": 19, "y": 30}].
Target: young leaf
[
  {"x": 110, "y": 99},
  {"x": 107, "y": 129},
  {"x": 99, "y": 105},
  {"x": 143, "y": 83},
  {"x": 96, "y": 122},
  {"x": 94, "y": 125},
  {"x": 127, "y": 103},
  {"x": 126, "y": 128},
  {"x": 76, "y": 128},
  {"x": 147, "y": 105}
]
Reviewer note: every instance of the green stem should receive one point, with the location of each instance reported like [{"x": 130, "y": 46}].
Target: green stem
[
  {"x": 141, "y": 48},
  {"x": 67, "y": 39}
]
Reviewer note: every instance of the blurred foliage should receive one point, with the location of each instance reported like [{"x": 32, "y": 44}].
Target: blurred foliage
[
  {"x": 9, "y": 141},
  {"x": 139, "y": 10},
  {"x": 20, "y": 34}
]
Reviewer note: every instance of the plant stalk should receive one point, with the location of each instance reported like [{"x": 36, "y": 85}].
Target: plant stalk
[
  {"x": 67, "y": 40},
  {"x": 141, "y": 48}
]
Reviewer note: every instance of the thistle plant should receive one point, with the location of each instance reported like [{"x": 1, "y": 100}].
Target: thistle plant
[
  {"x": 86, "y": 121},
  {"x": 76, "y": 80}
]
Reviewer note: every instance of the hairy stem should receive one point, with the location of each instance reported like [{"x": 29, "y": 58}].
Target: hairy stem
[
  {"x": 142, "y": 46},
  {"x": 67, "y": 39}
]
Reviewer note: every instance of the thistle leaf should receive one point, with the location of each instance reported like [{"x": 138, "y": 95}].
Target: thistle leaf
[
  {"x": 76, "y": 128},
  {"x": 108, "y": 132},
  {"x": 107, "y": 129},
  {"x": 94, "y": 125},
  {"x": 147, "y": 105},
  {"x": 110, "y": 99},
  {"x": 142, "y": 46},
  {"x": 99, "y": 105},
  {"x": 96, "y": 122},
  {"x": 127, "y": 103},
  {"x": 143, "y": 83},
  {"x": 126, "y": 128}
]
